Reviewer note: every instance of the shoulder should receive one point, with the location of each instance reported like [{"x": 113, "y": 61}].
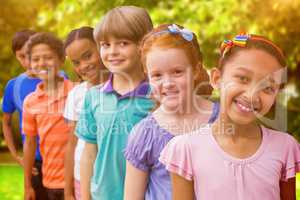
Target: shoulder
[
  {"x": 69, "y": 85},
  {"x": 10, "y": 83},
  {"x": 197, "y": 139},
  {"x": 146, "y": 129},
  {"x": 277, "y": 135},
  {"x": 78, "y": 89},
  {"x": 30, "y": 100},
  {"x": 279, "y": 138}
]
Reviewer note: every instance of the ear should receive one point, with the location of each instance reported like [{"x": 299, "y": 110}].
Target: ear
[{"x": 215, "y": 78}]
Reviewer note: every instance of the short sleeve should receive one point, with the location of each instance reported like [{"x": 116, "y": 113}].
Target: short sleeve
[
  {"x": 177, "y": 158},
  {"x": 86, "y": 127},
  {"x": 139, "y": 146},
  {"x": 291, "y": 159},
  {"x": 29, "y": 125},
  {"x": 8, "y": 105},
  {"x": 70, "y": 107}
]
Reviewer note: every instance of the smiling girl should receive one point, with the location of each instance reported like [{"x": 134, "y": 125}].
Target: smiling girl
[
  {"x": 237, "y": 158},
  {"x": 81, "y": 49},
  {"x": 173, "y": 62}
]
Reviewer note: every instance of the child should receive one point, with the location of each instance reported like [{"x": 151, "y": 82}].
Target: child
[
  {"x": 109, "y": 112},
  {"x": 81, "y": 49},
  {"x": 173, "y": 62},
  {"x": 237, "y": 158},
  {"x": 42, "y": 115},
  {"x": 15, "y": 92}
]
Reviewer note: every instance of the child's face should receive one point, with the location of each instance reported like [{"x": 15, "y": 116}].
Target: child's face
[
  {"x": 248, "y": 85},
  {"x": 22, "y": 57},
  {"x": 120, "y": 55},
  {"x": 44, "y": 62},
  {"x": 86, "y": 59},
  {"x": 170, "y": 75}
]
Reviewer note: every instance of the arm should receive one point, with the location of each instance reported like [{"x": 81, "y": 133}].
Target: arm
[
  {"x": 135, "y": 183},
  {"x": 182, "y": 188},
  {"x": 8, "y": 136},
  {"x": 288, "y": 189},
  {"x": 29, "y": 150},
  {"x": 86, "y": 169},
  {"x": 69, "y": 163}
]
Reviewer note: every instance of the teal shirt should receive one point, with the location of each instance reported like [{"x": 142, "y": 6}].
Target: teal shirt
[{"x": 106, "y": 120}]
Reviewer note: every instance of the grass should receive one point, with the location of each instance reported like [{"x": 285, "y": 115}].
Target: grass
[{"x": 11, "y": 183}]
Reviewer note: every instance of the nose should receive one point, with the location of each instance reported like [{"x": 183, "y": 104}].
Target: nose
[
  {"x": 41, "y": 62},
  {"x": 113, "y": 49},
  {"x": 252, "y": 94},
  {"x": 167, "y": 82},
  {"x": 82, "y": 65}
]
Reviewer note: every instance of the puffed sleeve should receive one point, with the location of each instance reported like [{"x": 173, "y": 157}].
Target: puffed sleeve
[
  {"x": 291, "y": 159},
  {"x": 139, "y": 147},
  {"x": 177, "y": 158}
]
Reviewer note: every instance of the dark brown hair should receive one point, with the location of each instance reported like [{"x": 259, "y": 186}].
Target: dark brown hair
[
  {"x": 254, "y": 42},
  {"x": 49, "y": 39},
  {"x": 84, "y": 32},
  {"x": 20, "y": 38}
]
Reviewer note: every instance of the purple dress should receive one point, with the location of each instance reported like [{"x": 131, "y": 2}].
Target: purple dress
[{"x": 144, "y": 146}]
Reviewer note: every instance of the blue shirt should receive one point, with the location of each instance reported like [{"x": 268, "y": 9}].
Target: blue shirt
[
  {"x": 14, "y": 94},
  {"x": 106, "y": 120}
]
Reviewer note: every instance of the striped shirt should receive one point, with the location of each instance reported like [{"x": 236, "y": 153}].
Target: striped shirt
[{"x": 43, "y": 114}]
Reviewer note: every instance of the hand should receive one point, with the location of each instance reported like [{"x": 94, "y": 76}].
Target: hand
[
  {"x": 29, "y": 194},
  {"x": 34, "y": 171},
  {"x": 20, "y": 160}
]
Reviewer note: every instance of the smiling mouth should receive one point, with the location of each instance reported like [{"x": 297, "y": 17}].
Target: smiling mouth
[
  {"x": 116, "y": 62},
  {"x": 170, "y": 93},
  {"x": 246, "y": 107},
  {"x": 39, "y": 72}
]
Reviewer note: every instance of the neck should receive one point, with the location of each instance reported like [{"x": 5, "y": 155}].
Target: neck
[
  {"x": 30, "y": 74},
  {"x": 101, "y": 78},
  {"x": 126, "y": 82},
  {"x": 192, "y": 106},
  {"x": 226, "y": 128},
  {"x": 53, "y": 84}
]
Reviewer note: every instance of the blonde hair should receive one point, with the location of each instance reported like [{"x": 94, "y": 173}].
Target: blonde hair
[{"x": 129, "y": 22}]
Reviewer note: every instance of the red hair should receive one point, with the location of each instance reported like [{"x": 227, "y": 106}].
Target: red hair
[{"x": 161, "y": 38}]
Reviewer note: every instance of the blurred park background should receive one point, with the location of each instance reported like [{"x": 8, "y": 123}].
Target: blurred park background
[{"x": 211, "y": 20}]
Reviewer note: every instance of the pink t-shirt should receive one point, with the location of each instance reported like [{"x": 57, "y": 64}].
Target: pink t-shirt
[{"x": 217, "y": 175}]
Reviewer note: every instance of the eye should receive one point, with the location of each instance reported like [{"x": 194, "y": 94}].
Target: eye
[
  {"x": 87, "y": 56},
  {"x": 178, "y": 72},
  {"x": 34, "y": 59},
  {"x": 156, "y": 76},
  {"x": 75, "y": 63},
  {"x": 123, "y": 43},
  {"x": 104, "y": 44},
  {"x": 48, "y": 57},
  {"x": 242, "y": 79},
  {"x": 269, "y": 90}
]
